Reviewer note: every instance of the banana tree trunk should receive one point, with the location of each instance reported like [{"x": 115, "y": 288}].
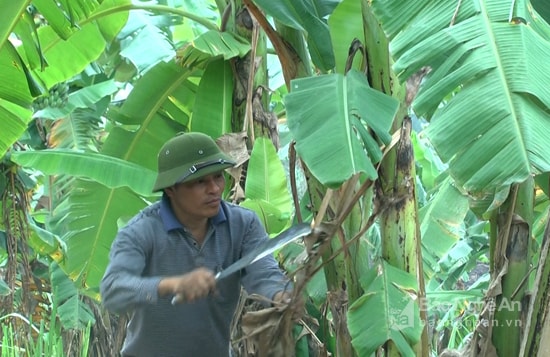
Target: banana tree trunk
[
  {"x": 250, "y": 78},
  {"x": 511, "y": 257},
  {"x": 537, "y": 323},
  {"x": 251, "y": 95},
  {"x": 399, "y": 220},
  {"x": 334, "y": 269},
  {"x": 395, "y": 195}
]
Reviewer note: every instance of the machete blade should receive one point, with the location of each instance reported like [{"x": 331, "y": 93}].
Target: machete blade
[
  {"x": 293, "y": 233},
  {"x": 271, "y": 245}
]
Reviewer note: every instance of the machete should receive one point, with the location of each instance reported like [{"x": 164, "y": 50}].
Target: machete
[{"x": 269, "y": 246}]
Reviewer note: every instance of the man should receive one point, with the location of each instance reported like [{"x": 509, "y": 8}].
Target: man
[{"x": 163, "y": 262}]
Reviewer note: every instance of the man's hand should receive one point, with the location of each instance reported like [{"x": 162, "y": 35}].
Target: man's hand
[
  {"x": 287, "y": 301},
  {"x": 282, "y": 297},
  {"x": 189, "y": 287}
]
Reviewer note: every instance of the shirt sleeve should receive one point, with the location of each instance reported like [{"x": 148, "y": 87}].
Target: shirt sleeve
[
  {"x": 263, "y": 277},
  {"x": 123, "y": 287}
]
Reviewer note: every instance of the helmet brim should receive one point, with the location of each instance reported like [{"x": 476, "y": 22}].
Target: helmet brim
[{"x": 186, "y": 173}]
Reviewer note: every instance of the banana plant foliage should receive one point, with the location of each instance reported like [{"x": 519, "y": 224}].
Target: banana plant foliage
[
  {"x": 214, "y": 99},
  {"x": 107, "y": 170},
  {"x": 86, "y": 97},
  {"x": 308, "y": 17},
  {"x": 393, "y": 314},
  {"x": 72, "y": 312},
  {"x": 266, "y": 190},
  {"x": 328, "y": 117},
  {"x": 488, "y": 66},
  {"x": 441, "y": 223},
  {"x": 57, "y": 51}
]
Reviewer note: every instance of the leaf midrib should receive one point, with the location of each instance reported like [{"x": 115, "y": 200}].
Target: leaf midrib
[{"x": 502, "y": 73}]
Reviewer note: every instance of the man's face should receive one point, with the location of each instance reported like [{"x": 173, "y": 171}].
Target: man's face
[{"x": 198, "y": 199}]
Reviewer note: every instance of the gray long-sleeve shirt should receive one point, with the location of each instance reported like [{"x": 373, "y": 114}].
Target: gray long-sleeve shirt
[{"x": 154, "y": 245}]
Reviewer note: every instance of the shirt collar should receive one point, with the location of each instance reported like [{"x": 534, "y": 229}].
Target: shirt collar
[{"x": 170, "y": 222}]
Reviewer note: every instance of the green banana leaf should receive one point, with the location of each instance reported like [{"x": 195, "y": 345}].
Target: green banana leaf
[
  {"x": 165, "y": 91},
  {"x": 14, "y": 75},
  {"x": 4, "y": 288},
  {"x": 543, "y": 181},
  {"x": 327, "y": 116},
  {"x": 304, "y": 15},
  {"x": 272, "y": 218},
  {"x": 26, "y": 32},
  {"x": 441, "y": 223},
  {"x": 56, "y": 18},
  {"x": 71, "y": 310},
  {"x": 266, "y": 179},
  {"x": 69, "y": 57},
  {"x": 107, "y": 170},
  {"x": 84, "y": 43},
  {"x": 487, "y": 93},
  {"x": 210, "y": 45},
  {"x": 437, "y": 297},
  {"x": 214, "y": 100},
  {"x": 429, "y": 167},
  {"x": 11, "y": 12},
  {"x": 387, "y": 311},
  {"x": 461, "y": 259},
  {"x": 541, "y": 6},
  {"x": 141, "y": 29},
  {"x": 16, "y": 86},
  {"x": 88, "y": 220},
  {"x": 266, "y": 189},
  {"x": 67, "y": 16},
  {"x": 345, "y": 25},
  {"x": 15, "y": 119}
]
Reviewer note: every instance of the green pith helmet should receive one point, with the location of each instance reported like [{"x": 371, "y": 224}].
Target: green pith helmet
[{"x": 189, "y": 156}]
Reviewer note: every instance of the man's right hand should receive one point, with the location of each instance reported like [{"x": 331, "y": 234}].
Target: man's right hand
[{"x": 190, "y": 286}]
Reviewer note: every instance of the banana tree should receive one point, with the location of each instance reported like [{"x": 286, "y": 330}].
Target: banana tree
[{"x": 490, "y": 128}]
